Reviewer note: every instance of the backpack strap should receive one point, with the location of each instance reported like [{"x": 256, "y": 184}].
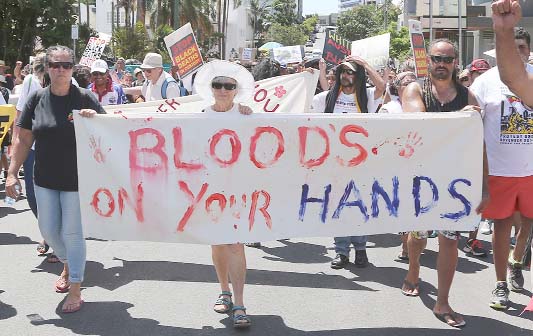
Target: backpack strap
[{"x": 164, "y": 87}]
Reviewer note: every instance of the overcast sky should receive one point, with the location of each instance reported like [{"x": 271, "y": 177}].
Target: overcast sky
[{"x": 320, "y": 6}]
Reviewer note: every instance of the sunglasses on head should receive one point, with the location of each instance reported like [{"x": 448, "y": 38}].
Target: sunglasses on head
[
  {"x": 227, "y": 86},
  {"x": 64, "y": 65},
  {"x": 347, "y": 71},
  {"x": 439, "y": 59}
]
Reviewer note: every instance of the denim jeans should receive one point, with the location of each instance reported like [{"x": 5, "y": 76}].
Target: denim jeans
[
  {"x": 28, "y": 181},
  {"x": 342, "y": 244},
  {"x": 60, "y": 224}
]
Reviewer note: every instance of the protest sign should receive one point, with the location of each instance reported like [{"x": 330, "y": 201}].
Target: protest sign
[
  {"x": 374, "y": 50},
  {"x": 7, "y": 117},
  {"x": 247, "y": 54},
  {"x": 287, "y": 55},
  {"x": 335, "y": 49},
  {"x": 419, "y": 48},
  {"x": 184, "y": 51},
  {"x": 216, "y": 178},
  {"x": 94, "y": 49},
  {"x": 286, "y": 94}
]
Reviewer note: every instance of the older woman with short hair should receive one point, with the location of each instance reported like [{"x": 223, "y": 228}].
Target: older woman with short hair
[{"x": 227, "y": 83}]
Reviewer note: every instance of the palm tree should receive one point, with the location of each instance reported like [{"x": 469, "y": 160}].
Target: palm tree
[
  {"x": 141, "y": 11},
  {"x": 128, "y": 9},
  {"x": 259, "y": 9}
]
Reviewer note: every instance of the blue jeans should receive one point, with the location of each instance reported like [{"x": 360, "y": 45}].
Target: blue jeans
[
  {"x": 60, "y": 224},
  {"x": 342, "y": 244},
  {"x": 28, "y": 181}
]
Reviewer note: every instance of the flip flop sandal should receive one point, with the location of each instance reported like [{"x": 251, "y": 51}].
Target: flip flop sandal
[
  {"x": 402, "y": 256},
  {"x": 241, "y": 320},
  {"x": 42, "y": 248},
  {"x": 62, "y": 285},
  {"x": 449, "y": 317},
  {"x": 223, "y": 301},
  {"x": 411, "y": 287},
  {"x": 73, "y": 310}
]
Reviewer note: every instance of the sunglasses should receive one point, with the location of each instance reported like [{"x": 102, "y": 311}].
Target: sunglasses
[
  {"x": 347, "y": 71},
  {"x": 64, "y": 65},
  {"x": 96, "y": 73},
  {"x": 147, "y": 70},
  {"x": 439, "y": 59},
  {"x": 227, "y": 86}
]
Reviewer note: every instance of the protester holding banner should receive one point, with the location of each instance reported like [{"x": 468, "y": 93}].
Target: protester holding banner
[
  {"x": 441, "y": 92},
  {"x": 102, "y": 86},
  {"x": 47, "y": 119},
  {"x": 159, "y": 84},
  {"x": 227, "y": 83},
  {"x": 350, "y": 95}
]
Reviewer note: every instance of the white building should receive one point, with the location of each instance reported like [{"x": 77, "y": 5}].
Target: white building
[
  {"x": 345, "y": 5},
  {"x": 104, "y": 15},
  {"x": 239, "y": 33}
]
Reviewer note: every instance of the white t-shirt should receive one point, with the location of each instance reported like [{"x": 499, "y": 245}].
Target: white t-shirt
[
  {"x": 394, "y": 106},
  {"x": 345, "y": 103},
  {"x": 508, "y": 126},
  {"x": 31, "y": 83},
  {"x": 233, "y": 110},
  {"x": 152, "y": 92}
]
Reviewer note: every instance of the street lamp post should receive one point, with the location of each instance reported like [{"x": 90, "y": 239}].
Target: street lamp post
[{"x": 460, "y": 23}]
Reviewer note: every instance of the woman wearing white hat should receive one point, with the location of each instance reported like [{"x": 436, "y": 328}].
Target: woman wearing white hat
[{"x": 227, "y": 83}]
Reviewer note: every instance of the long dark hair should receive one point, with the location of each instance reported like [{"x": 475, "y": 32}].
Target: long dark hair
[
  {"x": 360, "y": 89},
  {"x": 266, "y": 68}
]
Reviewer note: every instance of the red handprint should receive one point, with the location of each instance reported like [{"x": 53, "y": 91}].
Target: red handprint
[
  {"x": 96, "y": 147},
  {"x": 408, "y": 148}
]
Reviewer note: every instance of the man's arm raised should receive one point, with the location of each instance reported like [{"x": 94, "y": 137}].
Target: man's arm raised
[{"x": 505, "y": 16}]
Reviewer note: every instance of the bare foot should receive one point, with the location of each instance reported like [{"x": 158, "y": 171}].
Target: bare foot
[
  {"x": 446, "y": 314},
  {"x": 73, "y": 303}
]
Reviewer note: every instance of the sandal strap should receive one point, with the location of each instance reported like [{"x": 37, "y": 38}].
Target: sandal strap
[
  {"x": 226, "y": 293},
  {"x": 223, "y": 301},
  {"x": 243, "y": 308}
]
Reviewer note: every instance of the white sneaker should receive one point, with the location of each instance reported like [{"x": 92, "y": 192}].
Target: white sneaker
[{"x": 485, "y": 227}]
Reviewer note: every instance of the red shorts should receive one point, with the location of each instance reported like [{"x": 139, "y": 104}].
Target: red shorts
[{"x": 509, "y": 194}]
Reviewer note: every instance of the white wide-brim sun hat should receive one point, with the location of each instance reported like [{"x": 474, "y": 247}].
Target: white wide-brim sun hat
[{"x": 218, "y": 68}]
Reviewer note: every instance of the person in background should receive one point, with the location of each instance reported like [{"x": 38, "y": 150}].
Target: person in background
[
  {"x": 159, "y": 84},
  {"x": 120, "y": 67},
  {"x": 103, "y": 88},
  {"x": 82, "y": 75},
  {"x": 127, "y": 80},
  {"x": 139, "y": 77}
]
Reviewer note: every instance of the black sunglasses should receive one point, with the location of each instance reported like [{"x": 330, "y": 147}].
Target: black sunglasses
[
  {"x": 347, "y": 71},
  {"x": 97, "y": 73},
  {"x": 64, "y": 65},
  {"x": 439, "y": 59},
  {"x": 227, "y": 86}
]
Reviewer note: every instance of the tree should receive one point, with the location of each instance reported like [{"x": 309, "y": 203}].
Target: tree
[
  {"x": 132, "y": 42},
  {"x": 358, "y": 23},
  {"x": 309, "y": 24},
  {"x": 283, "y": 12},
  {"x": 400, "y": 43},
  {"x": 23, "y": 23},
  {"x": 287, "y": 35},
  {"x": 259, "y": 10}
]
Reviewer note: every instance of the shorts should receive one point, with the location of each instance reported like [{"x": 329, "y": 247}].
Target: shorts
[
  {"x": 453, "y": 235},
  {"x": 509, "y": 194}
]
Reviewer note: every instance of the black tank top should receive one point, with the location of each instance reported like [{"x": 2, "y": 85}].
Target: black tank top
[{"x": 460, "y": 101}]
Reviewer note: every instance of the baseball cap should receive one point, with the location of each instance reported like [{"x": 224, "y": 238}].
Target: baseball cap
[
  {"x": 99, "y": 66},
  {"x": 151, "y": 61},
  {"x": 479, "y": 65},
  {"x": 349, "y": 65}
]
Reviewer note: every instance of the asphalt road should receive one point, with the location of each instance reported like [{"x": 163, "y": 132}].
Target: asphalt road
[{"x": 142, "y": 288}]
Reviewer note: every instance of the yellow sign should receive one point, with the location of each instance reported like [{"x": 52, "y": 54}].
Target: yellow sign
[{"x": 7, "y": 117}]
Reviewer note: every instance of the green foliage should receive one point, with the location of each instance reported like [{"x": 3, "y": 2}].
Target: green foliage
[
  {"x": 287, "y": 35},
  {"x": 24, "y": 22},
  {"x": 283, "y": 12},
  {"x": 309, "y": 24},
  {"x": 84, "y": 33},
  {"x": 366, "y": 21},
  {"x": 131, "y": 42},
  {"x": 400, "y": 43}
]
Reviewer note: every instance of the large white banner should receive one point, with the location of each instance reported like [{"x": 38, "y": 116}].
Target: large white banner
[
  {"x": 374, "y": 50},
  {"x": 287, "y": 94},
  {"x": 214, "y": 178}
]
